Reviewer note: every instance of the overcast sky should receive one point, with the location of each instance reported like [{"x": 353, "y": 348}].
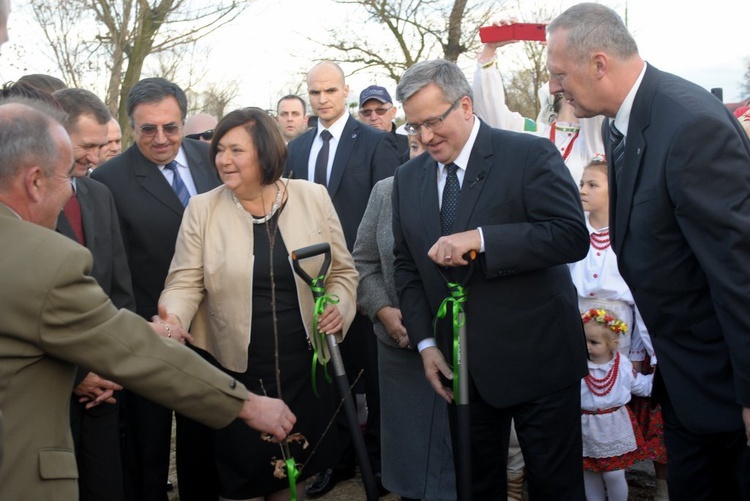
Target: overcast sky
[{"x": 268, "y": 49}]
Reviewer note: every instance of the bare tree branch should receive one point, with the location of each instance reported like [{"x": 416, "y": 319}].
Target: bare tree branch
[
  {"x": 412, "y": 30},
  {"x": 119, "y": 35}
]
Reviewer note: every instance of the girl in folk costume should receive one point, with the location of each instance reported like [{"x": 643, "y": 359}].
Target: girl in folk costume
[
  {"x": 600, "y": 285},
  {"x": 611, "y": 437},
  {"x": 596, "y": 277}
]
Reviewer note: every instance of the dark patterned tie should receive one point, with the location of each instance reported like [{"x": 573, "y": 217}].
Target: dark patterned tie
[
  {"x": 449, "y": 206},
  {"x": 321, "y": 163},
  {"x": 177, "y": 185},
  {"x": 617, "y": 141}
]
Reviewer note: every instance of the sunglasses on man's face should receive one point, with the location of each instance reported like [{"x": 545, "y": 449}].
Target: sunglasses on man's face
[
  {"x": 206, "y": 134},
  {"x": 380, "y": 111}
]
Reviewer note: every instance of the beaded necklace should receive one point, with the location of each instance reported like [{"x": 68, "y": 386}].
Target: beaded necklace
[
  {"x": 604, "y": 386},
  {"x": 271, "y": 213},
  {"x": 600, "y": 241}
]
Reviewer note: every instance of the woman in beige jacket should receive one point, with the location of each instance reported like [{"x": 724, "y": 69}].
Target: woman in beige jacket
[{"x": 231, "y": 282}]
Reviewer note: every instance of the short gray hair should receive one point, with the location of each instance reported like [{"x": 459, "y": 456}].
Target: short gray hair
[
  {"x": 25, "y": 138},
  {"x": 593, "y": 27},
  {"x": 447, "y": 76}
]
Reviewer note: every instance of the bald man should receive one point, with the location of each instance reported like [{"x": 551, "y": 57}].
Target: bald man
[
  {"x": 354, "y": 157},
  {"x": 200, "y": 127}
]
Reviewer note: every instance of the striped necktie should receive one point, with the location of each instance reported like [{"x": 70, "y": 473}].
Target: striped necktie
[
  {"x": 177, "y": 185},
  {"x": 617, "y": 141}
]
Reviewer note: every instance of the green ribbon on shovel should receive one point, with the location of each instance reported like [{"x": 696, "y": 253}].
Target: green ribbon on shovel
[
  {"x": 293, "y": 473},
  {"x": 318, "y": 287},
  {"x": 459, "y": 295}
]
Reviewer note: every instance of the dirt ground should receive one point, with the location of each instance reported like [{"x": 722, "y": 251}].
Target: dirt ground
[{"x": 641, "y": 481}]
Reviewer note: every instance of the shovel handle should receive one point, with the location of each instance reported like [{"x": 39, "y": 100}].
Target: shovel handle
[{"x": 308, "y": 252}]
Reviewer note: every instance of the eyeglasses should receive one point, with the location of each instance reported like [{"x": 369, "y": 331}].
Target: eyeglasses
[
  {"x": 432, "y": 123},
  {"x": 379, "y": 111},
  {"x": 206, "y": 134},
  {"x": 169, "y": 129}
]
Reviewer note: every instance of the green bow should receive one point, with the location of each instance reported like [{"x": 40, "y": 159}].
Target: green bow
[
  {"x": 458, "y": 297},
  {"x": 317, "y": 286}
]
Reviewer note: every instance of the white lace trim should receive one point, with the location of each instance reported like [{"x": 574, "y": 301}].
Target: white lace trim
[{"x": 607, "y": 435}]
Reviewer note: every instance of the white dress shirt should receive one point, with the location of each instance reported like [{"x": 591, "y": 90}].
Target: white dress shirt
[
  {"x": 336, "y": 129},
  {"x": 183, "y": 169}
]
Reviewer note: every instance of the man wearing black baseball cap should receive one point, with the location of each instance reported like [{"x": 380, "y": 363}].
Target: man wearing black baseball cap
[{"x": 376, "y": 109}]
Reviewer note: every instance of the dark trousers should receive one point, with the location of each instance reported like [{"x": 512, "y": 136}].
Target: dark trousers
[
  {"x": 549, "y": 431},
  {"x": 96, "y": 436},
  {"x": 705, "y": 467},
  {"x": 147, "y": 447},
  {"x": 197, "y": 478}
]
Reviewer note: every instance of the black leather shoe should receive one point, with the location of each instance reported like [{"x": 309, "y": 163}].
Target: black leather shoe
[{"x": 327, "y": 480}]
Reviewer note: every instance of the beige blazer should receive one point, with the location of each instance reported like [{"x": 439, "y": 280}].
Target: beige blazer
[
  {"x": 54, "y": 317},
  {"x": 210, "y": 281}
]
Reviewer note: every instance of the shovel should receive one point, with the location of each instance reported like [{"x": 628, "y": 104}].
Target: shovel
[{"x": 317, "y": 287}]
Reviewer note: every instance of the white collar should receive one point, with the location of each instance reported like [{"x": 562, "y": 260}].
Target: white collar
[
  {"x": 462, "y": 160},
  {"x": 336, "y": 128},
  {"x": 622, "y": 119}
]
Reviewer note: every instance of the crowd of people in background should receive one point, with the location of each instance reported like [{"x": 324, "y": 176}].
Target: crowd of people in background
[{"x": 607, "y": 252}]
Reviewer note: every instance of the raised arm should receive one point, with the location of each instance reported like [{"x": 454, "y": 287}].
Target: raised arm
[{"x": 489, "y": 93}]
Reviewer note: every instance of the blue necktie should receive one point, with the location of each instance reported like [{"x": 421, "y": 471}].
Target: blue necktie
[
  {"x": 449, "y": 207},
  {"x": 177, "y": 185}
]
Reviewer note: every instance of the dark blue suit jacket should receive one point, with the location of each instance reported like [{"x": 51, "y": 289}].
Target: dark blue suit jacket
[
  {"x": 680, "y": 213},
  {"x": 525, "y": 334},
  {"x": 364, "y": 156}
]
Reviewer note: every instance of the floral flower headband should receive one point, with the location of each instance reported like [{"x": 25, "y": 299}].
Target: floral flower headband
[{"x": 602, "y": 317}]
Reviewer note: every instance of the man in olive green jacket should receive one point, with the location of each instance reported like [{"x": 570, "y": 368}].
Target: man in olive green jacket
[{"x": 55, "y": 317}]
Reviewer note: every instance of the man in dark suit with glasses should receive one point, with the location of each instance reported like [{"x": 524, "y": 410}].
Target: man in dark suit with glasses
[{"x": 151, "y": 183}]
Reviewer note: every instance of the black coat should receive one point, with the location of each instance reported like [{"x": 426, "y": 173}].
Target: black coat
[{"x": 680, "y": 216}]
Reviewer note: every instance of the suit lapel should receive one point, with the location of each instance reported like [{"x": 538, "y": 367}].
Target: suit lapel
[
  {"x": 478, "y": 169},
  {"x": 204, "y": 176},
  {"x": 343, "y": 151},
  {"x": 153, "y": 182},
  {"x": 300, "y": 170},
  {"x": 64, "y": 228},
  {"x": 428, "y": 198},
  {"x": 635, "y": 145}
]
